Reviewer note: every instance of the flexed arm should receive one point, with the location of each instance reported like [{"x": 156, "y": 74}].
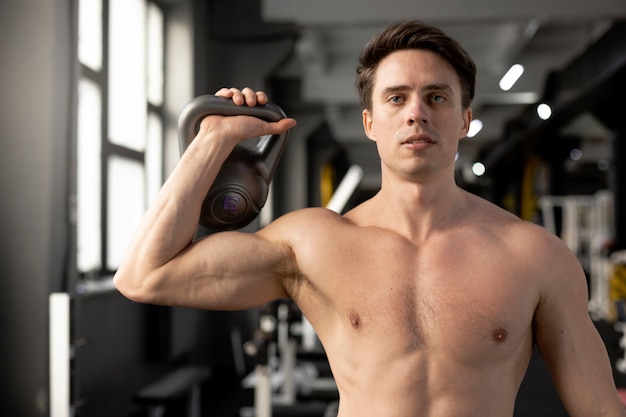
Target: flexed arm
[{"x": 162, "y": 265}]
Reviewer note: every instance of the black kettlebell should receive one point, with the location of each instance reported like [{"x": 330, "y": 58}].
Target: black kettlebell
[{"x": 242, "y": 185}]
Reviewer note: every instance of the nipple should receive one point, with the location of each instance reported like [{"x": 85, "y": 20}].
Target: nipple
[
  {"x": 500, "y": 335},
  {"x": 355, "y": 319}
]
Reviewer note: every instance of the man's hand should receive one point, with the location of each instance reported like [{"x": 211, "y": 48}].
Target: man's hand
[{"x": 235, "y": 129}]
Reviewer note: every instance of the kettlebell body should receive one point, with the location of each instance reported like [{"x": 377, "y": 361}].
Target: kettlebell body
[{"x": 241, "y": 188}]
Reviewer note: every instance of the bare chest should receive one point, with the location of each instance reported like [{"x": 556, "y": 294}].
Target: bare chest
[
  {"x": 438, "y": 311},
  {"x": 468, "y": 303}
]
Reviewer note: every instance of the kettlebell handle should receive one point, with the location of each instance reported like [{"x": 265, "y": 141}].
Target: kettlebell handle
[{"x": 202, "y": 106}]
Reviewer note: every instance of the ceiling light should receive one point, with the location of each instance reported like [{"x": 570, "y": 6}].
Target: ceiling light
[
  {"x": 475, "y": 126},
  {"x": 575, "y": 154},
  {"x": 544, "y": 111},
  {"x": 604, "y": 165},
  {"x": 478, "y": 169},
  {"x": 511, "y": 77}
]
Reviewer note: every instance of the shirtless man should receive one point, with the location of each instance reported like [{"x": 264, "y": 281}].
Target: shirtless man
[{"x": 427, "y": 299}]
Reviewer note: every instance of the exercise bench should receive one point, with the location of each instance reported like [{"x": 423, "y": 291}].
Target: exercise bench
[{"x": 173, "y": 388}]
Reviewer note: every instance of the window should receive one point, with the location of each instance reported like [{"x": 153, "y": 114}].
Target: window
[
  {"x": 88, "y": 180},
  {"x": 119, "y": 142}
]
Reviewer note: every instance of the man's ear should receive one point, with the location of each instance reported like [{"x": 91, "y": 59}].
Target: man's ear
[
  {"x": 368, "y": 125},
  {"x": 467, "y": 118}
]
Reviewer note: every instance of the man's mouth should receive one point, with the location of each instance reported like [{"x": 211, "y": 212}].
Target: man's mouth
[{"x": 417, "y": 139}]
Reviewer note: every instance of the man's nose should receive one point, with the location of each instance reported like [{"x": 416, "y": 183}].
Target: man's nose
[{"x": 417, "y": 113}]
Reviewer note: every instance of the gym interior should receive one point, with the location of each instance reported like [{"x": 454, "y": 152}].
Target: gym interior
[{"x": 91, "y": 95}]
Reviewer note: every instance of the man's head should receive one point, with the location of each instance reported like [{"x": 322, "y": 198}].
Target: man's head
[{"x": 413, "y": 35}]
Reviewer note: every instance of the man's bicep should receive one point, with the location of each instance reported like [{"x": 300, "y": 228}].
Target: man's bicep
[
  {"x": 562, "y": 313},
  {"x": 570, "y": 343},
  {"x": 230, "y": 271},
  {"x": 581, "y": 370}
]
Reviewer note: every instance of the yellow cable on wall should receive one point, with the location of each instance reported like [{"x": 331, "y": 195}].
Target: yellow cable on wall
[
  {"x": 327, "y": 179},
  {"x": 528, "y": 203}
]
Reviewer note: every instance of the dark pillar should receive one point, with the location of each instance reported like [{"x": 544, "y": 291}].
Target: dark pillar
[{"x": 619, "y": 186}]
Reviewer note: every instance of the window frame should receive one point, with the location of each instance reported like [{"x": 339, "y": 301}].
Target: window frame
[{"x": 109, "y": 149}]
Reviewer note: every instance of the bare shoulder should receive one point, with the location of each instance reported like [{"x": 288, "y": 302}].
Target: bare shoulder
[
  {"x": 310, "y": 235},
  {"x": 304, "y": 224},
  {"x": 531, "y": 244},
  {"x": 502, "y": 222}
]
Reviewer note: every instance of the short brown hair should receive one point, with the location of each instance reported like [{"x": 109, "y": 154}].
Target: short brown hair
[{"x": 413, "y": 35}]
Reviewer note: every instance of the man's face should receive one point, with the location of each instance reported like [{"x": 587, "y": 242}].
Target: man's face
[{"x": 416, "y": 118}]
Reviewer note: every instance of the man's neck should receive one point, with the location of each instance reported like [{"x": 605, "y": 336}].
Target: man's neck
[{"x": 415, "y": 210}]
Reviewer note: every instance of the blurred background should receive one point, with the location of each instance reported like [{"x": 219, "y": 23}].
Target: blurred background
[{"x": 91, "y": 92}]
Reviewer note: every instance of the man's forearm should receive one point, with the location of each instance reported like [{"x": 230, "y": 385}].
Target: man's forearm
[{"x": 172, "y": 220}]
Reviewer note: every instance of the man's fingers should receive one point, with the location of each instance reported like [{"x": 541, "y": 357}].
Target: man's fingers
[
  {"x": 261, "y": 97},
  {"x": 245, "y": 96},
  {"x": 249, "y": 96},
  {"x": 286, "y": 124}
]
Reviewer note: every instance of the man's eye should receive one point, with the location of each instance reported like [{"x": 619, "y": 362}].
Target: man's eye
[
  {"x": 396, "y": 99},
  {"x": 437, "y": 99}
]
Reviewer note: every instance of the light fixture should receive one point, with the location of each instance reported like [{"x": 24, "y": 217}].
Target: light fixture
[
  {"x": 478, "y": 169},
  {"x": 575, "y": 154},
  {"x": 604, "y": 165},
  {"x": 511, "y": 77},
  {"x": 475, "y": 126},
  {"x": 544, "y": 111}
]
